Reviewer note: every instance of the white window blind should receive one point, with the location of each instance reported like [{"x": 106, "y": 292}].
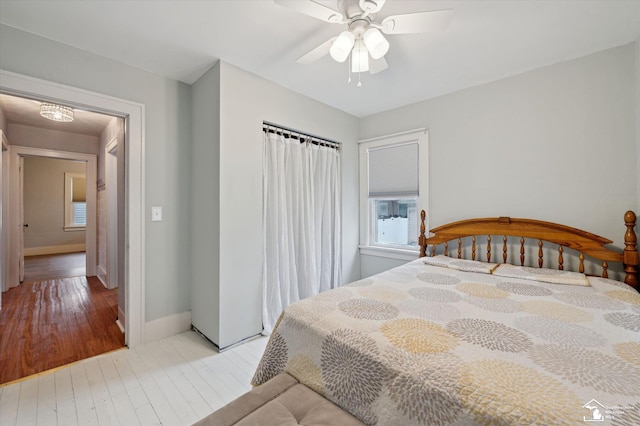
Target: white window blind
[
  {"x": 393, "y": 170},
  {"x": 80, "y": 214}
]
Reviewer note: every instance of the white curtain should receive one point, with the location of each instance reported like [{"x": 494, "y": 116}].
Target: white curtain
[{"x": 301, "y": 213}]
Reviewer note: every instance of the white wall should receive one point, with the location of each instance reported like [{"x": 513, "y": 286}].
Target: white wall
[
  {"x": 372, "y": 264},
  {"x": 167, "y": 155},
  {"x": 4, "y": 185},
  {"x": 115, "y": 129},
  {"x": 245, "y": 101},
  {"x": 564, "y": 135},
  {"x": 556, "y": 144},
  {"x": 44, "y": 206},
  {"x": 102, "y": 208},
  {"x": 35, "y": 137},
  {"x": 205, "y": 211},
  {"x": 4, "y": 197},
  {"x": 3, "y": 122},
  {"x": 637, "y": 45},
  {"x": 47, "y": 236}
]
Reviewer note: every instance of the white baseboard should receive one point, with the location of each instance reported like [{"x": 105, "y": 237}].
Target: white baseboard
[
  {"x": 68, "y": 248},
  {"x": 102, "y": 276},
  {"x": 121, "y": 319},
  {"x": 167, "y": 326}
]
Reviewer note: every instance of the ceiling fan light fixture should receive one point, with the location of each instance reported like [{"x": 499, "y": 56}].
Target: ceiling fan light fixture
[
  {"x": 55, "y": 112},
  {"x": 376, "y": 43},
  {"x": 364, "y": 43},
  {"x": 341, "y": 48},
  {"x": 359, "y": 58}
]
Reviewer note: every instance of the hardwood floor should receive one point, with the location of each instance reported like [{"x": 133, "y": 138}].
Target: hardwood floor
[
  {"x": 50, "y": 266},
  {"x": 173, "y": 381},
  {"x": 49, "y": 323}
]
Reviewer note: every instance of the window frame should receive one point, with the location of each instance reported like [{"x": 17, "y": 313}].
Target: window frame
[
  {"x": 69, "y": 225},
  {"x": 367, "y": 227}
]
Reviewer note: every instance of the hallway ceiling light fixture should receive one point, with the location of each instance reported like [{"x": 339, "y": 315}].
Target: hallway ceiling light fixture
[{"x": 55, "y": 112}]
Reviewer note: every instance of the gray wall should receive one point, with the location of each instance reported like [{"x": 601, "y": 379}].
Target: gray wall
[
  {"x": 245, "y": 101},
  {"x": 167, "y": 152},
  {"x": 44, "y": 202},
  {"x": 556, "y": 144}
]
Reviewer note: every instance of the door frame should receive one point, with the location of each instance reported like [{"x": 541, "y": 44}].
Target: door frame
[
  {"x": 4, "y": 204},
  {"x": 134, "y": 114},
  {"x": 19, "y": 164},
  {"x": 111, "y": 180},
  {"x": 16, "y": 209}
]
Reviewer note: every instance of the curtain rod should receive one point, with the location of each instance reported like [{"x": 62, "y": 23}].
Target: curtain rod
[{"x": 266, "y": 125}]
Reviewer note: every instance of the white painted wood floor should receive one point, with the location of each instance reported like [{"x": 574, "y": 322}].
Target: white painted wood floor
[{"x": 173, "y": 381}]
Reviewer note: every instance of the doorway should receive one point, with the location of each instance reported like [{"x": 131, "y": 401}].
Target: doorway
[
  {"x": 47, "y": 322},
  {"x": 17, "y": 225},
  {"x": 133, "y": 284},
  {"x": 53, "y": 211}
]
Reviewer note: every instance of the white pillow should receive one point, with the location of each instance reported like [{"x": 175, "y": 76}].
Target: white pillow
[
  {"x": 460, "y": 264},
  {"x": 553, "y": 276}
]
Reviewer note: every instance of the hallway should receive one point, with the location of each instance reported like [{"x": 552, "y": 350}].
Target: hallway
[{"x": 37, "y": 268}]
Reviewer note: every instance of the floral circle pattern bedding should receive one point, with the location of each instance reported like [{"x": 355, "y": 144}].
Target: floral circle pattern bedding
[{"x": 431, "y": 345}]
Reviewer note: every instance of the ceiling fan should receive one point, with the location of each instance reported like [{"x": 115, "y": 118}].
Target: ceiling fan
[{"x": 363, "y": 40}]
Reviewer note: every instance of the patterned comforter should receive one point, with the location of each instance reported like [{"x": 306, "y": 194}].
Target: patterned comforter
[{"x": 430, "y": 345}]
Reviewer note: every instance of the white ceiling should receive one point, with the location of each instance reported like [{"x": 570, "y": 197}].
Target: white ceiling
[
  {"x": 486, "y": 41},
  {"x": 27, "y": 111}
]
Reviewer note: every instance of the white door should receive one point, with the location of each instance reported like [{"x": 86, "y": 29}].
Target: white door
[
  {"x": 111, "y": 176},
  {"x": 21, "y": 219}
]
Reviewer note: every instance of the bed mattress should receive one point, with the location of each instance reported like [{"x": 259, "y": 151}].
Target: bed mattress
[{"x": 432, "y": 345}]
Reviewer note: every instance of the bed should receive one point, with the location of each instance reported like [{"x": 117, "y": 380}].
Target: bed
[{"x": 445, "y": 340}]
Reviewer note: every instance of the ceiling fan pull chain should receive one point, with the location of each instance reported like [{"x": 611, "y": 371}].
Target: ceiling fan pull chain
[{"x": 350, "y": 56}]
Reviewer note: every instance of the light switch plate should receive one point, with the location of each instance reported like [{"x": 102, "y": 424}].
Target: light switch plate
[{"x": 156, "y": 214}]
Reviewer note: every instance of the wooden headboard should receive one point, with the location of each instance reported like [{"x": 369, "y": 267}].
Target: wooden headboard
[{"x": 584, "y": 242}]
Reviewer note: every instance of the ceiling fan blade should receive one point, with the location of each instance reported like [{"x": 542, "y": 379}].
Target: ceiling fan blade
[
  {"x": 377, "y": 65},
  {"x": 313, "y": 9},
  {"x": 420, "y": 22},
  {"x": 316, "y": 53}
]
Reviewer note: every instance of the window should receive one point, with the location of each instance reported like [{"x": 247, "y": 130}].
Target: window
[
  {"x": 390, "y": 193},
  {"x": 75, "y": 201},
  {"x": 395, "y": 222}
]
